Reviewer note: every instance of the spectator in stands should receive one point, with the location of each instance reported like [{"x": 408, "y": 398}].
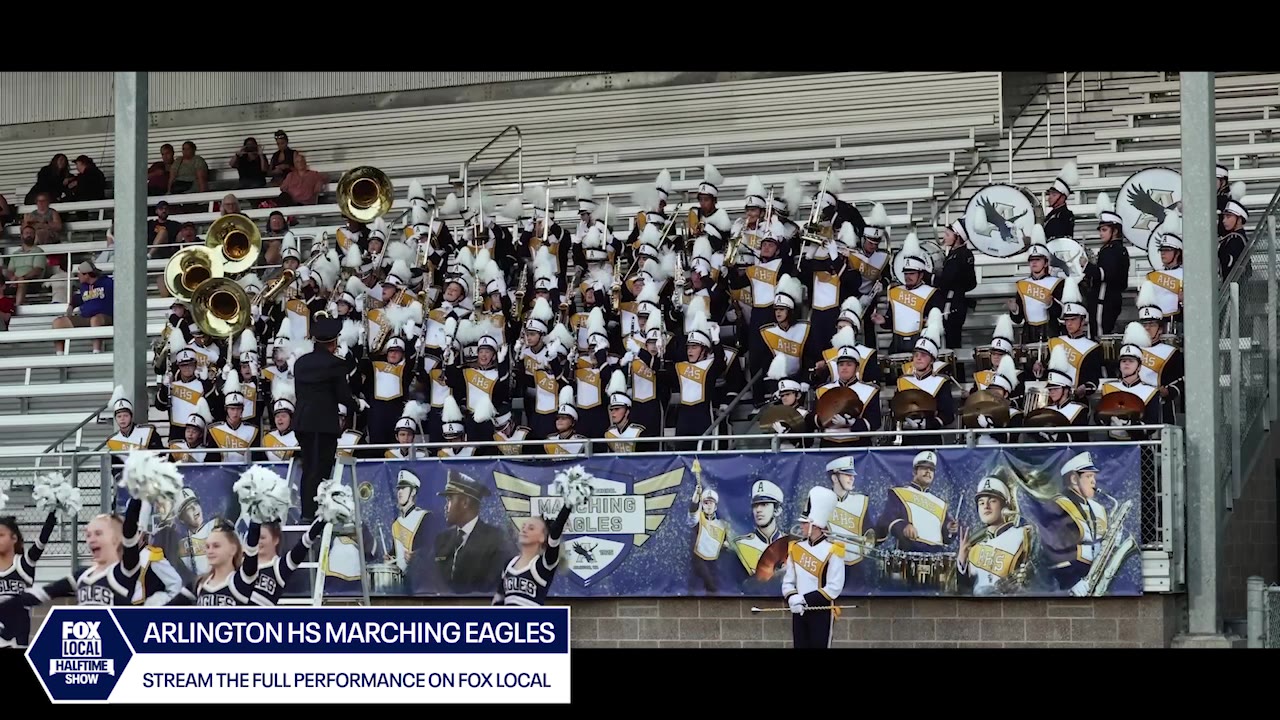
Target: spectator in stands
[
  {"x": 59, "y": 288},
  {"x": 158, "y": 173},
  {"x": 281, "y": 159},
  {"x": 230, "y": 205},
  {"x": 26, "y": 265},
  {"x": 162, "y": 233},
  {"x": 109, "y": 254},
  {"x": 91, "y": 305},
  {"x": 51, "y": 179},
  {"x": 251, "y": 164},
  {"x": 89, "y": 184},
  {"x": 189, "y": 171},
  {"x": 44, "y": 218},
  {"x": 304, "y": 185}
]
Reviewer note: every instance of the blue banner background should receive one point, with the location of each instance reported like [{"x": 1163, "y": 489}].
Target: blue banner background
[{"x": 648, "y": 549}]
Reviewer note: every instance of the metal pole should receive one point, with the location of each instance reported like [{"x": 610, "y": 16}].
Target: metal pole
[
  {"x": 130, "y": 276},
  {"x": 1200, "y": 300},
  {"x": 1273, "y": 332},
  {"x": 1253, "y": 601}
]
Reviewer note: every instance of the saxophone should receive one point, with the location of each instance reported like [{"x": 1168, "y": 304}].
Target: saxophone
[{"x": 1113, "y": 551}]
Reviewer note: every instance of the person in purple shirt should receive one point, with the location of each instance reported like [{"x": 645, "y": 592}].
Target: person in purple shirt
[{"x": 90, "y": 306}]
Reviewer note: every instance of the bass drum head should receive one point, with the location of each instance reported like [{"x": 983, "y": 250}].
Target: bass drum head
[
  {"x": 1153, "y": 254},
  {"x": 933, "y": 258},
  {"x": 1144, "y": 200},
  {"x": 1005, "y": 207},
  {"x": 1071, "y": 254}
]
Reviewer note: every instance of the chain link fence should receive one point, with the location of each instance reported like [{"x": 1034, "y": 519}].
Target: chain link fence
[{"x": 66, "y": 535}]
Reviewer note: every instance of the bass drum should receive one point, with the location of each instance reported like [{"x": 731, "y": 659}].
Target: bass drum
[
  {"x": 1070, "y": 257},
  {"x": 1144, "y": 200},
  {"x": 934, "y": 255},
  {"x": 1010, "y": 210}
]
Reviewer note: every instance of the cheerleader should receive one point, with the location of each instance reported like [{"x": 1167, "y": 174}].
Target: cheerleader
[
  {"x": 233, "y": 573},
  {"x": 18, "y": 562},
  {"x": 115, "y": 544},
  {"x": 527, "y": 577},
  {"x": 336, "y": 507}
]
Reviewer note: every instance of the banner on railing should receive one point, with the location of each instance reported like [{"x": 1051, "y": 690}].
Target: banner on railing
[{"x": 988, "y": 520}]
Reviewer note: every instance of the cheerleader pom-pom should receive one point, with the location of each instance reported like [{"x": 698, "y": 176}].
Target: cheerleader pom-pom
[
  {"x": 575, "y": 485},
  {"x": 336, "y": 504},
  {"x": 54, "y": 492},
  {"x": 151, "y": 477},
  {"x": 263, "y": 493}
]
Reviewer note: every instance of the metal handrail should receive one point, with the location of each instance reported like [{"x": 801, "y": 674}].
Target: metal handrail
[
  {"x": 466, "y": 164},
  {"x": 1224, "y": 290},
  {"x": 730, "y": 408},
  {"x": 1043, "y": 116},
  {"x": 93, "y": 417},
  {"x": 942, "y": 208}
]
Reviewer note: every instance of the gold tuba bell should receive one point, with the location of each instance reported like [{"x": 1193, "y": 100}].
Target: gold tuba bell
[
  {"x": 238, "y": 239},
  {"x": 221, "y": 308},
  {"x": 189, "y": 268},
  {"x": 364, "y": 194}
]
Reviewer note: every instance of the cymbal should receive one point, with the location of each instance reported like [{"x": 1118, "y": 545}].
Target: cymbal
[
  {"x": 771, "y": 414},
  {"x": 1045, "y": 417},
  {"x": 1122, "y": 405},
  {"x": 983, "y": 402},
  {"x": 773, "y": 557},
  {"x": 837, "y": 401},
  {"x": 913, "y": 402}
]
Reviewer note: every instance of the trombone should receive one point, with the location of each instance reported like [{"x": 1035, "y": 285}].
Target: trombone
[{"x": 813, "y": 227}]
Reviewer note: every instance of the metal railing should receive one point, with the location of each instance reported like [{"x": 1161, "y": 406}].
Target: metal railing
[
  {"x": 1046, "y": 118},
  {"x": 518, "y": 153},
  {"x": 1162, "y": 470}
]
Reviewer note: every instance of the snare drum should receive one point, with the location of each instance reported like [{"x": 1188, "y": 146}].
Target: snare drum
[
  {"x": 982, "y": 358},
  {"x": 946, "y": 363},
  {"x": 1036, "y": 397},
  {"x": 385, "y": 579},
  {"x": 1028, "y": 353},
  {"x": 1111, "y": 348},
  {"x": 899, "y": 365}
]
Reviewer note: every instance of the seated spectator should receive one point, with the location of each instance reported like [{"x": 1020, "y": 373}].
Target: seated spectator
[
  {"x": 91, "y": 305},
  {"x": 25, "y": 266},
  {"x": 162, "y": 233},
  {"x": 251, "y": 164},
  {"x": 303, "y": 186},
  {"x": 108, "y": 255},
  {"x": 158, "y": 173},
  {"x": 281, "y": 159},
  {"x": 44, "y": 218},
  {"x": 277, "y": 226},
  {"x": 189, "y": 172},
  {"x": 51, "y": 179},
  {"x": 57, "y": 284},
  {"x": 230, "y": 204},
  {"x": 89, "y": 184}
]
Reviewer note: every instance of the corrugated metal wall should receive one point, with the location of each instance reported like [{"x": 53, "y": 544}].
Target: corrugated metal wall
[{"x": 45, "y": 96}]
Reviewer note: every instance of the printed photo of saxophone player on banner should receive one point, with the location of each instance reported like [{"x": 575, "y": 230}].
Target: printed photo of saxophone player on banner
[{"x": 963, "y": 522}]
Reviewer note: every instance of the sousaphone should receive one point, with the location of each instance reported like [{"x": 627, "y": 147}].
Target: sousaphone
[
  {"x": 237, "y": 239},
  {"x": 189, "y": 268},
  {"x": 221, "y": 307},
  {"x": 364, "y": 194}
]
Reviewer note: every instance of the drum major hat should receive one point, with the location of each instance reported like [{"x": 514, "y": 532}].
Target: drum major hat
[{"x": 461, "y": 484}]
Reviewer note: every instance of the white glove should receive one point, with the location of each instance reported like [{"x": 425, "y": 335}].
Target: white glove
[
  {"x": 449, "y": 356},
  {"x": 360, "y": 403},
  {"x": 1119, "y": 422},
  {"x": 984, "y": 421},
  {"x": 1079, "y": 589},
  {"x": 833, "y": 250},
  {"x": 202, "y": 372},
  {"x": 256, "y": 312},
  {"x": 797, "y": 604},
  {"x": 913, "y": 424},
  {"x": 779, "y": 428},
  {"x": 715, "y": 334},
  {"x": 168, "y": 379}
]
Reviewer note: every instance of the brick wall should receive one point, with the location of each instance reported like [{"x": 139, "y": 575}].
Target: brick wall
[
  {"x": 1249, "y": 540},
  {"x": 1149, "y": 621}
]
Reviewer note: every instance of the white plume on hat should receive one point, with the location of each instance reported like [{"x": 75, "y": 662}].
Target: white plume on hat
[
  {"x": 399, "y": 316},
  {"x": 651, "y": 235},
  {"x": 595, "y": 321},
  {"x": 702, "y": 248},
  {"x": 1147, "y": 295},
  {"x": 835, "y": 185},
  {"x": 116, "y": 396},
  {"x": 542, "y": 265},
  {"x": 355, "y": 287},
  {"x": 401, "y": 270},
  {"x": 1037, "y": 234},
  {"x": 349, "y": 335},
  {"x": 593, "y": 239},
  {"x": 648, "y": 294},
  {"x": 602, "y": 277},
  {"x": 450, "y": 413},
  {"x": 513, "y": 209},
  {"x": 617, "y": 383},
  {"x": 1135, "y": 334},
  {"x": 711, "y": 175},
  {"x": 1070, "y": 175},
  {"x": 562, "y": 335},
  {"x": 654, "y": 322},
  {"x": 566, "y": 395},
  {"x": 790, "y": 287},
  {"x": 542, "y": 310},
  {"x": 778, "y": 367},
  {"x": 248, "y": 341},
  {"x": 231, "y": 384},
  {"x": 250, "y": 280},
  {"x": 585, "y": 189},
  {"x": 1008, "y": 370},
  {"x": 176, "y": 343},
  {"x": 1071, "y": 292},
  {"x": 282, "y": 389},
  {"x": 482, "y": 408},
  {"x": 793, "y": 194},
  {"x": 1004, "y": 327},
  {"x": 1172, "y": 224},
  {"x": 844, "y": 338},
  {"x": 1104, "y": 203},
  {"x": 847, "y": 236},
  {"x": 911, "y": 248},
  {"x": 645, "y": 196},
  {"x": 852, "y": 304},
  {"x": 933, "y": 328},
  {"x": 879, "y": 217},
  {"x": 202, "y": 409},
  {"x": 1237, "y": 190},
  {"x": 1059, "y": 363},
  {"x": 755, "y": 187},
  {"x": 451, "y": 206}
]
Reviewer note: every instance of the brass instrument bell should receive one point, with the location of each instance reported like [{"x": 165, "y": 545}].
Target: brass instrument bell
[
  {"x": 239, "y": 241},
  {"x": 275, "y": 286},
  {"x": 695, "y": 222},
  {"x": 986, "y": 403},
  {"x": 189, "y": 268},
  {"x": 364, "y": 194},
  {"x": 220, "y": 307}
]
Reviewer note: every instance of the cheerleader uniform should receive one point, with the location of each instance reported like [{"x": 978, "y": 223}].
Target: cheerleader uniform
[
  {"x": 274, "y": 576},
  {"x": 15, "y": 624},
  {"x": 112, "y": 585},
  {"x": 528, "y": 585},
  {"x": 233, "y": 590}
]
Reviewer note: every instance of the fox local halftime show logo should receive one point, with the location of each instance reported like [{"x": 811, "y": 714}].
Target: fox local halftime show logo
[{"x": 313, "y": 655}]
